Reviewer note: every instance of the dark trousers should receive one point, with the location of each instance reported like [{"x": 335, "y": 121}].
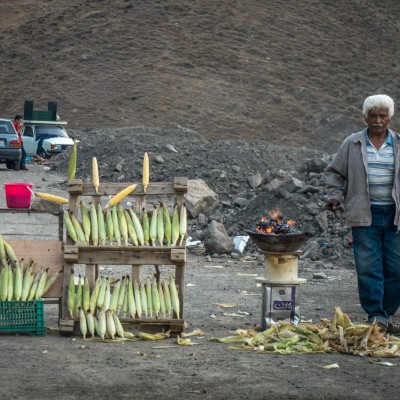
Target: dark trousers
[{"x": 23, "y": 157}]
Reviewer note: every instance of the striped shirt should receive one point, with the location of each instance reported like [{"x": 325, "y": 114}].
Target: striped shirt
[{"x": 380, "y": 172}]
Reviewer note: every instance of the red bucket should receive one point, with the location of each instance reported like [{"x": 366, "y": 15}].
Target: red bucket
[{"x": 18, "y": 195}]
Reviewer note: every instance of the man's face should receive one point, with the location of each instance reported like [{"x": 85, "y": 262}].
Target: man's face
[{"x": 378, "y": 121}]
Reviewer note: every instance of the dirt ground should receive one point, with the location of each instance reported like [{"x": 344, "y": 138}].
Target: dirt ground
[{"x": 55, "y": 367}]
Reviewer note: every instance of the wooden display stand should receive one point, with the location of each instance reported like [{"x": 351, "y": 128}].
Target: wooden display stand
[{"x": 136, "y": 256}]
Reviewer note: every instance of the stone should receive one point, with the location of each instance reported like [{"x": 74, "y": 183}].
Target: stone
[
  {"x": 200, "y": 199},
  {"x": 217, "y": 240}
]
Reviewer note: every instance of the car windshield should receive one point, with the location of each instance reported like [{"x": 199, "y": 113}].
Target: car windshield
[
  {"x": 51, "y": 130},
  {"x": 7, "y": 127}
]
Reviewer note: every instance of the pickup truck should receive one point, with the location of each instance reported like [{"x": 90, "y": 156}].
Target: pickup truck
[{"x": 45, "y": 138}]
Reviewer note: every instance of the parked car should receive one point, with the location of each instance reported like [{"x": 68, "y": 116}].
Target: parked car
[
  {"x": 45, "y": 139},
  {"x": 10, "y": 146}
]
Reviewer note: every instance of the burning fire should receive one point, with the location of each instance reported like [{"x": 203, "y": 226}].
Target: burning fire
[{"x": 274, "y": 225}]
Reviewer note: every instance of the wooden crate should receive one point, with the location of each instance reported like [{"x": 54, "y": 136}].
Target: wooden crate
[{"x": 136, "y": 256}]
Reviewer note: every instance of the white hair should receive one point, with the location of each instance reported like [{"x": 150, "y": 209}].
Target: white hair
[{"x": 378, "y": 101}]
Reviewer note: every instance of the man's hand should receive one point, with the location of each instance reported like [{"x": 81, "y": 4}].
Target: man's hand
[{"x": 333, "y": 204}]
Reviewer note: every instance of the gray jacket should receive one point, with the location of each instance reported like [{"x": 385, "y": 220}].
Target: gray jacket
[{"x": 347, "y": 179}]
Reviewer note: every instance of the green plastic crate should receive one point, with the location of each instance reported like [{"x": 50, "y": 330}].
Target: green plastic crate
[{"x": 22, "y": 317}]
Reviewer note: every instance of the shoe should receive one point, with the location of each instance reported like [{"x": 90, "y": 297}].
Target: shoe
[
  {"x": 382, "y": 327},
  {"x": 393, "y": 329},
  {"x": 24, "y": 168}
]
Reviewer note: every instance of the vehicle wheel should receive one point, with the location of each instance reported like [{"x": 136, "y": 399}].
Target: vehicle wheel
[
  {"x": 17, "y": 165},
  {"x": 42, "y": 153},
  {"x": 10, "y": 165}
]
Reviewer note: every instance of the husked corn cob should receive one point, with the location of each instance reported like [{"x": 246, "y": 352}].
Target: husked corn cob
[
  {"x": 167, "y": 297},
  {"x": 50, "y": 281},
  {"x": 78, "y": 298},
  {"x": 162, "y": 300},
  {"x": 155, "y": 298},
  {"x": 101, "y": 225},
  {"x": 143, "y": 299},
  {"x": 146, "y": 172},
  {"x": 182, "y": 224},
  {"x": 125, "y": 306},
  {"x": 118, "y": 326},
  {"x": 160, "y": 226},
  {"x": 70, "y": 227},
  {"x": 10, "y": 253},
  {"x": 18, "y": 277},
  {"x": 167, "y": 224},
  {"x": 121, "y": 195},
  {"x": 94, "y": 225},
  {"x": 102, "y": 324},
  {"x": 3, "y": 257},
  {"x": 131, "y": 228},
  {"x": 90, "y": 323},
  {"x": 52, "y": 197},
  {"x": 86, "y": 295},
  {"x": 138, "y": 226},
  {"x": 78, "y": 229},
  {"x": 110, "y": 324},
  {"x": 94, "y": 294},
  {"x": 149, "y": 297},
  {"x": 123, "y": 226},
  {"x": 71, "y": 295},
  {"x": 107, "y": 296},
  {"x": 10, "y": 290},
  {"x": 138, "y": 303},
  {"x": 109, "y": 226},
  {"x": 131, "y": 299},
  {"x": 174, "y": 295},
  {"x": 175, "y": 227},
  {"x": 4, "y": 283},
  {"x": 153, "y": 226},
  {"x": 102, "y": 293},
  {"x": 72, "y": 161},
  {"x": 34, "y": 285},
  {"x": 121, "y": 294},
  {"x": 85, "y": 216},
  {"x": 114, "y": 296},
  {"x": 27, "y": 281},
  {"x": 115, "y": 220},
  {"x": 41, "y": 284},
  {"x": 146, "y": 228},
  {"x": 95, "y": 175},
  {"x": 82, "y": 322},
  {"x": 96, "y": 325}
]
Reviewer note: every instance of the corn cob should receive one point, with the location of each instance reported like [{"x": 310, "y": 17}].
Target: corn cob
[
  {"x": 110, "y": 324},
  {"x": 96, "y": 325},
  {"x": 146, "y": 172},
  {"x": 71, "y": 295},
  {"x": 78, "y": 229},
  {"x": 3, "y": 256},
  {"x": 175, "y": 227},
  {"x": 10, "y": 290},
  {"x": 167, "y": 298},
  {"x": 10, "y": 254},
  {"x": 50, "y": 281},
  {"x": 123, "y": 227},
  {"x": 52, "y": 197},
  {"x": 118, "y": 326},
  {"x": 121, "y": 195},
  {"x": 4, "y": 283},
  {"x": 167, "y": 225},
  {"x": 27, "y": 281},
  {"x": 131, "y": 299},
  {"x": 90, "y": 323},
  {"x": 143, "y": 299},
  {"x": 146, "y": 228},
  {"x": 107, "y": 296},
  {"x": 128, "y": 335},
  {"x": 41, "y": 284},
  {"x": 114, "y": 296},
  {"x": 131, "y": 228},
  {"x": 174, "y": 295},
  {"x": 109, "y": 226},
  {"x": 82, "y": 322},
  {"x": 18, "y": 277},
  {"x": 72, "y": 161},
  {"x": 153, "y": 226},
  {"x": 121, "y": 295},
  {"x": 94, "y": 225},
  {"x": 117, "y": 232},
  {"x": 34, "y": 285},
  {"x": 149, "y": 297},
  {"x": 137, "y": 225},
  {"x": 182, "y": 224},
  {"x": 102, "y": 324},
  {"x": 95, "y": 175},
  {"x": 125, "y": 306},
  {"x": 94, "y": 294},
  {"x": 155, "y": 336},
  {"x": 86, "y": 295},
  {"x": 102, "y": 293},
  {"x": 160, "y": 226},
  {"x": 138, "y": 303},
  {"x": 78, "y": 298},
  {"x": 162, "y": 300},
  {"x": 155, "y": 298},
  {"x": 101, "y": 225},
  {"x": 70, "y": 227}
]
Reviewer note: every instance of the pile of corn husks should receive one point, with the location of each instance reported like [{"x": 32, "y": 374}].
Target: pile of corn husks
[{"x": 340, "y": 335}]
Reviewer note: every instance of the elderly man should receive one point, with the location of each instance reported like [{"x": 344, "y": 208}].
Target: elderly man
[{"x": 364, "y": 178}]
